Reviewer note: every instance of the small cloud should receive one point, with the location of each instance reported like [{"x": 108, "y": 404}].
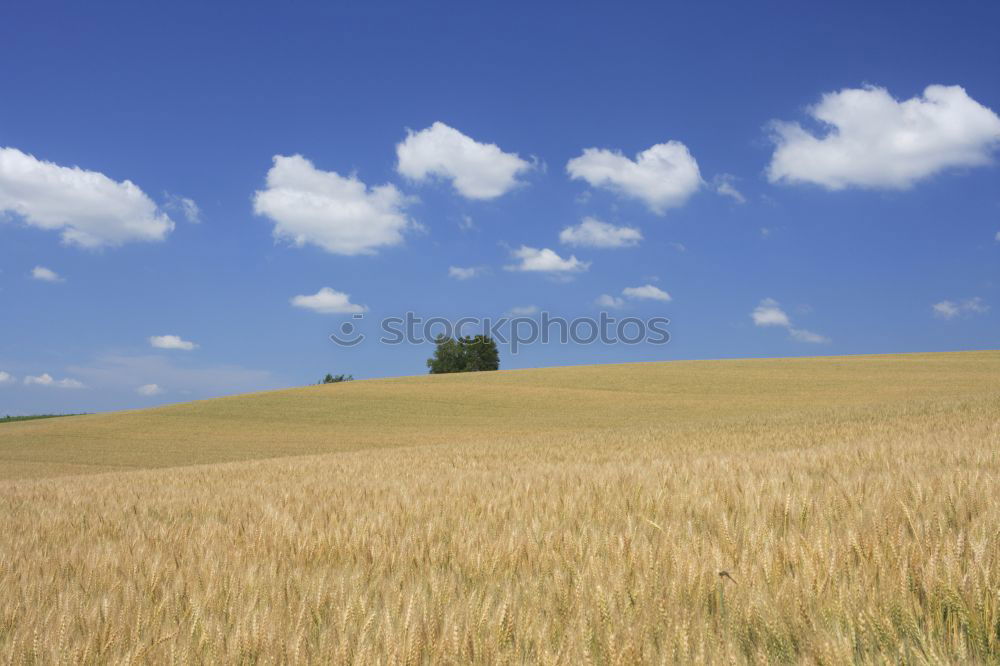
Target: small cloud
[
  {"x": 609, "y": 301},
  {"x": 680, "y": 247},
  {"x": 466, "y": 223},
  {"x": 952, "y": 309},
  {"x": 724, "y": 186},
  {"x": 171, "y": 342},
  {"x": 149, "y": 390},
  {"x": 329, "y": 301},
  {"x": 6, "y": 378},
  {"x": 945, "y": 309},
  {"x": 186, "y": 207},
  {"x": 765, "y": 232},
  {"x": 45, "y": 379},
  {"x": 803, "y": 335},
  {"x": 546, "y": 261},
  {"x": 460, "y": 273},
  {"x": 662, "y": 176},
  {"x": 769, "y": 313},
  {"x": 476, "y": 170},
  {"x": 45, "y": 274},
  {"x": 524, "y": 310},
  {"x": 592, "y": 232},
  {"x": 646, "y": 292},
  {"x": 997, "y": 237}
]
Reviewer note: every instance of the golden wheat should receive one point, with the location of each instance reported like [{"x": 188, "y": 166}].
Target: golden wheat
[{"x": 852, "y": 527}]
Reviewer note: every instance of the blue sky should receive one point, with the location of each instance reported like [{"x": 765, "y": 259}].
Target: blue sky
[{"x": 780, "y": 179}]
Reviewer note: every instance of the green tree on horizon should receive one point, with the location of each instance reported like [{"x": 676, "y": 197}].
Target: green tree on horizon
[
  {"x": 466, "y": 354},
  {"x": 336, "y": 379}
]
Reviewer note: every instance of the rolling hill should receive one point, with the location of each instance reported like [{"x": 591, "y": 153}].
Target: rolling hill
[
  {"x": 412, "y": 411},
  {"x": 826, "y": 510}
]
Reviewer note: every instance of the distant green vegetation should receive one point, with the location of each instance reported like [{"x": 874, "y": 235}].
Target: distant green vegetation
[
  {"x": 336, "y": 379},
  {"x": 32, "y": 417},
  {"x": 464, "y": 354}
]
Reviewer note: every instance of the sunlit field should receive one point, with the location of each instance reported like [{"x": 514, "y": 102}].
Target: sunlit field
[{"x": 554, "y": 516}]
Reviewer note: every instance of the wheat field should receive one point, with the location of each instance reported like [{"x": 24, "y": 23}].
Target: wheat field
[{"x": 556, "y": 516}]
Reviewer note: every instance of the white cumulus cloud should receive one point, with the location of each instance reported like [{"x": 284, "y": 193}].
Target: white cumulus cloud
[
  {"x": 592, "y": 232},
  {"x": 663, "y": 176},
  {"x": 872, "y": 140},
  {"x": 149, "y": 389},
  {"x": 328, "y": 301},
  {"x": 45, "y": 274},
  {"x": 609, "y": 301},
  {"x": 524, "y": 310},
  {"x": 546, "y": 261},
  {"x": 341, "y": 215},
  {"x": 45, "y": 379},
  {"x": 6, "y": 377},
  {"x": 476, "y": 170},
  {"x": 646, "y": 292},
  {"x": 952, "y": 309},
  {"x": 769, "y": 313},
  {"x": 464, "y": 273},
  {"x": 171, "y": 342},
  {"x": 90, "y": 209}
]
